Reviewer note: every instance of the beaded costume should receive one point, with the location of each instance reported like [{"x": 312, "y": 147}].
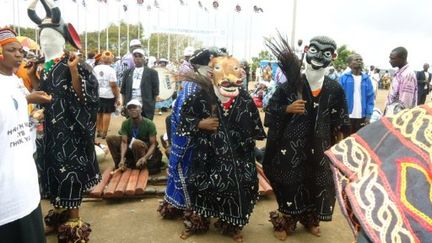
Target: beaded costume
[{"x": 67, "y": 156}]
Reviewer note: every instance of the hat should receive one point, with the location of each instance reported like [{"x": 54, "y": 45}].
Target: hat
[
  {"x": 188, "y": 51},
  {"x": 7, "y": 36},
  {"x": 133, "y": 102},
  {"x": 54, "y": 21},
  {"x": 140, "y": 51},
  {"x": 98, "y": 57},
  {"x": 202, "y": 56},
  {"x": 107, "y": 53},
  {"x": 163, "y": 60},
  {"x": 135, "y": 42}
]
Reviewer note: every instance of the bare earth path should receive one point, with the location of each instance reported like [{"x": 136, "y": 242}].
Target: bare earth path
[{"x": 136, "y": 220}]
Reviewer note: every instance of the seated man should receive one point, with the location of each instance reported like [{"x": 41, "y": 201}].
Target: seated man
[{"x": 136, "y": 147}]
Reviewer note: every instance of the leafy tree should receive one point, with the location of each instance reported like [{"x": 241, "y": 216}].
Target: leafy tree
[
  {"x": 177, "y": 42},
  {"x": 341, "y": 59}
]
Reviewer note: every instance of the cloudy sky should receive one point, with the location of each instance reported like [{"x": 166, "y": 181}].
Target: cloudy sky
[{"x": 370, "y": 27}]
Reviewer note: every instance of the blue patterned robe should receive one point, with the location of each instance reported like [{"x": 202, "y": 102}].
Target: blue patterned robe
[{"x": 180, "y": 155}]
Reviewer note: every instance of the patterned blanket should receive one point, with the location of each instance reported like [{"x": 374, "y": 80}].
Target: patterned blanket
[{"x": 383, "y": 177}]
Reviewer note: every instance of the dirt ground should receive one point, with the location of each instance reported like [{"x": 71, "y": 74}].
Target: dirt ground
[{"x": 136, "y": 220}]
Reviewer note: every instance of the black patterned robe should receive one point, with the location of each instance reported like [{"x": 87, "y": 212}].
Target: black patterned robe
[
  {"x": 294, "y": 160},
  {"x": 222, "y": 179},
  {"x": 66, "y": 155}
]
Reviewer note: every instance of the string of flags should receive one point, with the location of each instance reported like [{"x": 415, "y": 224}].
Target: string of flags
[{"x": 215, "y": 4}]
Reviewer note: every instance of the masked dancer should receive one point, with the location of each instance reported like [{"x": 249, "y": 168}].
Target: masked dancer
[
  {"x": 176, "y": 196},
  {"x": 68, "y": 158},
  {"x": 222, "y": 123},
  {"x": 305, "y": 116}
]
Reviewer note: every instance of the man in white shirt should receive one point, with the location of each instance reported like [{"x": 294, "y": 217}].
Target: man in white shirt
[
  {"x": 359, "y": 93},
  {"x": 141, "y": 83},
  {"x": 20, "y": 212}
]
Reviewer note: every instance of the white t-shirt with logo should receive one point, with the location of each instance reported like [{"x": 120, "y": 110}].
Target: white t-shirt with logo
[
  {"x": 19, "y": 188},
  {"x": 105, "y": 76},
  {"x": 136, "y": 85},
  {"x": 357, "y": 105}
]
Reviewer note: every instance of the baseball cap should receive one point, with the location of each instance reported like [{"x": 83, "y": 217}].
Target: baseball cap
[
  {"x": 163, "y": 60},
  {"x": 188, "y": 51},
  {"x": 140, "y": 51},
  {"x": 133, "y": 102},
  {"x": 135, "y": 42}
]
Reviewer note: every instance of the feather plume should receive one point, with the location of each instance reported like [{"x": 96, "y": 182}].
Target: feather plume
[{"x": 288, "y": 60}]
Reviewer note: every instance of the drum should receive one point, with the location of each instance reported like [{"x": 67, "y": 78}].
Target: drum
[{"x": 166, "y": 83}]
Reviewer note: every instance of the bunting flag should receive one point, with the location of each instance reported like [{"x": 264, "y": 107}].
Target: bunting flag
[
  {"x": 238, "y": 8},
  {"x": 181, "y": 2},
  {"x": 257, "y": 9},
  {"x": 125, "y": 8},
  {"x": 215, "y": 4},
  {"x": 156, "y": 4},
  {"x": 200, "y": 4},
  {"x": 140, "y": 2},
  {"x": 149, "y": 7},
  {"x": 84, "y": 3}
]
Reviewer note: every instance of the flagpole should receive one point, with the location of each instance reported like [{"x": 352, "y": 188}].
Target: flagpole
[
  {"x": 294, "y": 23},
  {"x": 107, "y": 32},
  {"x": 118, "y": 34},
  {"x": 85, "y": 36},
  {"x": 78, "y": 14},
  {"x": 107, "y": 38},
  {"x": 18, "y": 18},
  {"x": 13, "y": 15},
  {"x": 99, "y": 30},
  {"x": 127, "y": 29},
  {"x": 158, "y": 36},
  {"x": 139, "y": 21}
]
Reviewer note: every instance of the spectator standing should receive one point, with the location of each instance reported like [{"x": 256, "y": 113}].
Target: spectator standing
[
  {"x": 141, "y": 83},
  {"x": 359, "y": 93},
  {"x": 109, "y": 94},
  {"x": 423, "y": 84},
  {"x": 404, "y": 85}
]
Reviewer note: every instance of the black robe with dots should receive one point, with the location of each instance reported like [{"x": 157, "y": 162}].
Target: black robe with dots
[
  {"x": 66, "y": 156},
  {"x": 222, "y": 180},
  {"x": 294, "y": 160}
]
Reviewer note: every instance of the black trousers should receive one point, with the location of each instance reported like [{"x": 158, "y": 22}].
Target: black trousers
[
  {"x": 422, "y": 93},
  {"x": 28, "y": 229}
]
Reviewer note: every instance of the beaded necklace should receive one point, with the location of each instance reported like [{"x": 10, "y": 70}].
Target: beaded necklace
[{"x": 48, "y": 66}]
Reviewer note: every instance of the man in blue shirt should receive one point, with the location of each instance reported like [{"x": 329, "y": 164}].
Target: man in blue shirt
[{"x": 359, "y": 93}]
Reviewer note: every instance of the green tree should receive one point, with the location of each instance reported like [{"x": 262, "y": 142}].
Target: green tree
[
  {"x": 341, "y": 59},
  {"x": 178, "y": 42}
]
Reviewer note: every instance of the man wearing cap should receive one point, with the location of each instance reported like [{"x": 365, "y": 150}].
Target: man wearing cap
[
  {"x": 136, "y": 145},
  {"x": 186, "y": 67},
  {"x": 127, "y": 61},
  {"x": 20, "y": 212},
  {"x": 141, "y": 83}
]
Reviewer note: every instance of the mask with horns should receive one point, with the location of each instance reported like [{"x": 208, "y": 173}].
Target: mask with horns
[{"x": 54, "y": 21}]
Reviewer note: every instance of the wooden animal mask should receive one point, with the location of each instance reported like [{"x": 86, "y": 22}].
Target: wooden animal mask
[{"x": 227, "y": 75}]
